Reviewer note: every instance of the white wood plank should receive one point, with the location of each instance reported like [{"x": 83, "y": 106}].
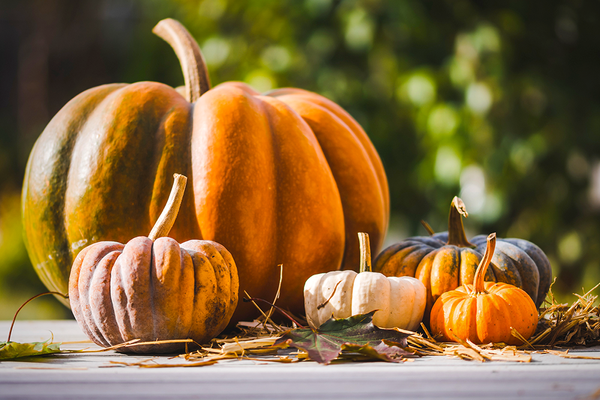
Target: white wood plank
[{"x": 83, "y": 376}]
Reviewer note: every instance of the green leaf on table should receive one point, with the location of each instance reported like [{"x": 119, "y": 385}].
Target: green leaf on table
[
  {"x": 356, "y": 334},
  {"x": 14, "y": 350}
]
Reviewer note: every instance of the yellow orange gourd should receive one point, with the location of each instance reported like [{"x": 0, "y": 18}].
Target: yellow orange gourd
[
  {"x": 400, "y": 301},
  {"x": 484, "y": 312}
]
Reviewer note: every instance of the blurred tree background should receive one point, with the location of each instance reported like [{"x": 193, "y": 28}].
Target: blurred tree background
[{"x": 496, "y": 102}]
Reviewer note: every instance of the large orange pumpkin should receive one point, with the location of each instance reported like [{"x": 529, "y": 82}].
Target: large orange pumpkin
[{"x": 282, "y": 178}]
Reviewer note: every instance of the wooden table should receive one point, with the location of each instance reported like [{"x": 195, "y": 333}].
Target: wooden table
[{"x": 86, "y": 376}]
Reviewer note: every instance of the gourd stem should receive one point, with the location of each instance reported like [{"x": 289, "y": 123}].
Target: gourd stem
[
  {"x": 24, "y": 304},
  {"x": 478, "y": 280},
  {"x": 456, "y": 229},
  {"x": 427, "y": 227},
  {"x": 195, "y": 73},
  {"x": 365, "y": 252},
  {"x": 167, "y": 218}
]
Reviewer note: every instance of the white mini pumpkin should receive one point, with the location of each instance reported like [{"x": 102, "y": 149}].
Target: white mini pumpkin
[{"x": 400, "y": 301}]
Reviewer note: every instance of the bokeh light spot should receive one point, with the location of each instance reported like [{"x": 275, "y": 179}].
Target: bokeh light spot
[
  {"x": 212, "y": 9},
  {"x": 215, "y": 51},
  {"x": 472, "y": 188},
  {"x": 260, "y": 80},
  {"x": 276, "y": 58},
  {"x": 569, "y": 248},
  {"x": 447, "y": 165},
  {"x": 359, "y": 30},
  {"x": 479, "y": 98},
  {"x": 419, "y": 89},
  {"x": 442, "y": 121}
]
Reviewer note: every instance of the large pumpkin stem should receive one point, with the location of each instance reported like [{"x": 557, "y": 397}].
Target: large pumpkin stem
[
  {"x": 365, "y": 252},
  {"x": 167, "y": 218},
  {"x": 195, "y": 73},
  {"x": 478, "y": 283},
  {"x": 456, "y": 229}
]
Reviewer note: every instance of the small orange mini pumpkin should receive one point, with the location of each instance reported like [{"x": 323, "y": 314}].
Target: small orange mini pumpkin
[
  {"x": 484, "y": 312},
  {"x": 152, "y": 288}
]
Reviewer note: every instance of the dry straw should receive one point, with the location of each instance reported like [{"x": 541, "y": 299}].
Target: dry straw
[{"x": 560, "y": 328}]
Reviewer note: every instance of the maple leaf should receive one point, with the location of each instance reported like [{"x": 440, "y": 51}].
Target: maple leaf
[
  {"x": 356, "y": 334},
  {"x": 14, "y": 350}
]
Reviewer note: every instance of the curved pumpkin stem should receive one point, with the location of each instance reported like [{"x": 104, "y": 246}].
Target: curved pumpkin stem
[
  {"x": 427, "y": 227},
  {"x": 195, "y": 73},
  {"x": 365, "y": 252},
  {"x": 167, "y": 218},
  {"x": 478, "y": 283},
  {"x": 456, "y": 229}
]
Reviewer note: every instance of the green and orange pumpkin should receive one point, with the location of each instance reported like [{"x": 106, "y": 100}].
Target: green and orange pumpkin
[
  {"x": 287, "y": 177},
  {"x": 447, "y": 260}
]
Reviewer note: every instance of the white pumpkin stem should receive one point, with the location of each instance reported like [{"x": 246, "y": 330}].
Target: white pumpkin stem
[
  {"x": 478, "y": 280},
  {"x": 195, "y": 73},
  {"x": 365, "y": 252},
  {"x": 167, "y": 218}
]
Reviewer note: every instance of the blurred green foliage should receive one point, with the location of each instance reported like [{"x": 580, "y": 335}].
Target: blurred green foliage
[{"x": 495, "y": 102}]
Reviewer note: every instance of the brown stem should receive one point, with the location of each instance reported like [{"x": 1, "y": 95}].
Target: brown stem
[
  {"x": 427, "y": 227},
  {"x": 323, "y": 304},
  {"x": 275, "y": 307},
  {"x": 24, "y": 304},
  {"x": 365, "y": 252},
  {"x": 195, "y": 73},
  {"x": 456, "y": 229},
  {"x": 167, "y": 218},
  {"x": 478, "y": 283}
]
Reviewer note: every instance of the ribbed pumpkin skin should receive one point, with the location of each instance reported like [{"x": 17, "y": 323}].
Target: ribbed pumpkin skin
[
  {"x": 400, "y": 301},
  {"x": 485, "y": 317},
  {"x": 444, "y": 267},
  {"x": 153, "y": 290},
  {"x": 286, "y": 178}
]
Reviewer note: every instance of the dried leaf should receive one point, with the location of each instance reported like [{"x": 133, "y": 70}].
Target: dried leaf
[
  {"x": 382, "y": 351},
  {"x": 326, "y": 343},
  {"x": 14, "y": 350}
]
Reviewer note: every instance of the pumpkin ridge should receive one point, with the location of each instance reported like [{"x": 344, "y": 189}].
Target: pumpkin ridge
[
  {"x": 528, "y": 271},
  {"x": 298, "y": 152},
  {"x": 221, "y": 297},
  {"x": 43, "y": 210},
  {"x": 523, "y": 298},
  {"x": 117, "y": 136},
  {"x": 229, "y": 134},
  {"x": 205, "y": 285},
  {"x": 172, "y": 153},
  {"x": 83, "y": 283},
  {"x": 444, "y": 271},
  {"x": 359, "y": 132},
  {"x": 541, "y": 262},
  {"x": 492, "y": 318},
  {"x": 357, "y": 183},
  {"x": 100, "y": 302}
]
